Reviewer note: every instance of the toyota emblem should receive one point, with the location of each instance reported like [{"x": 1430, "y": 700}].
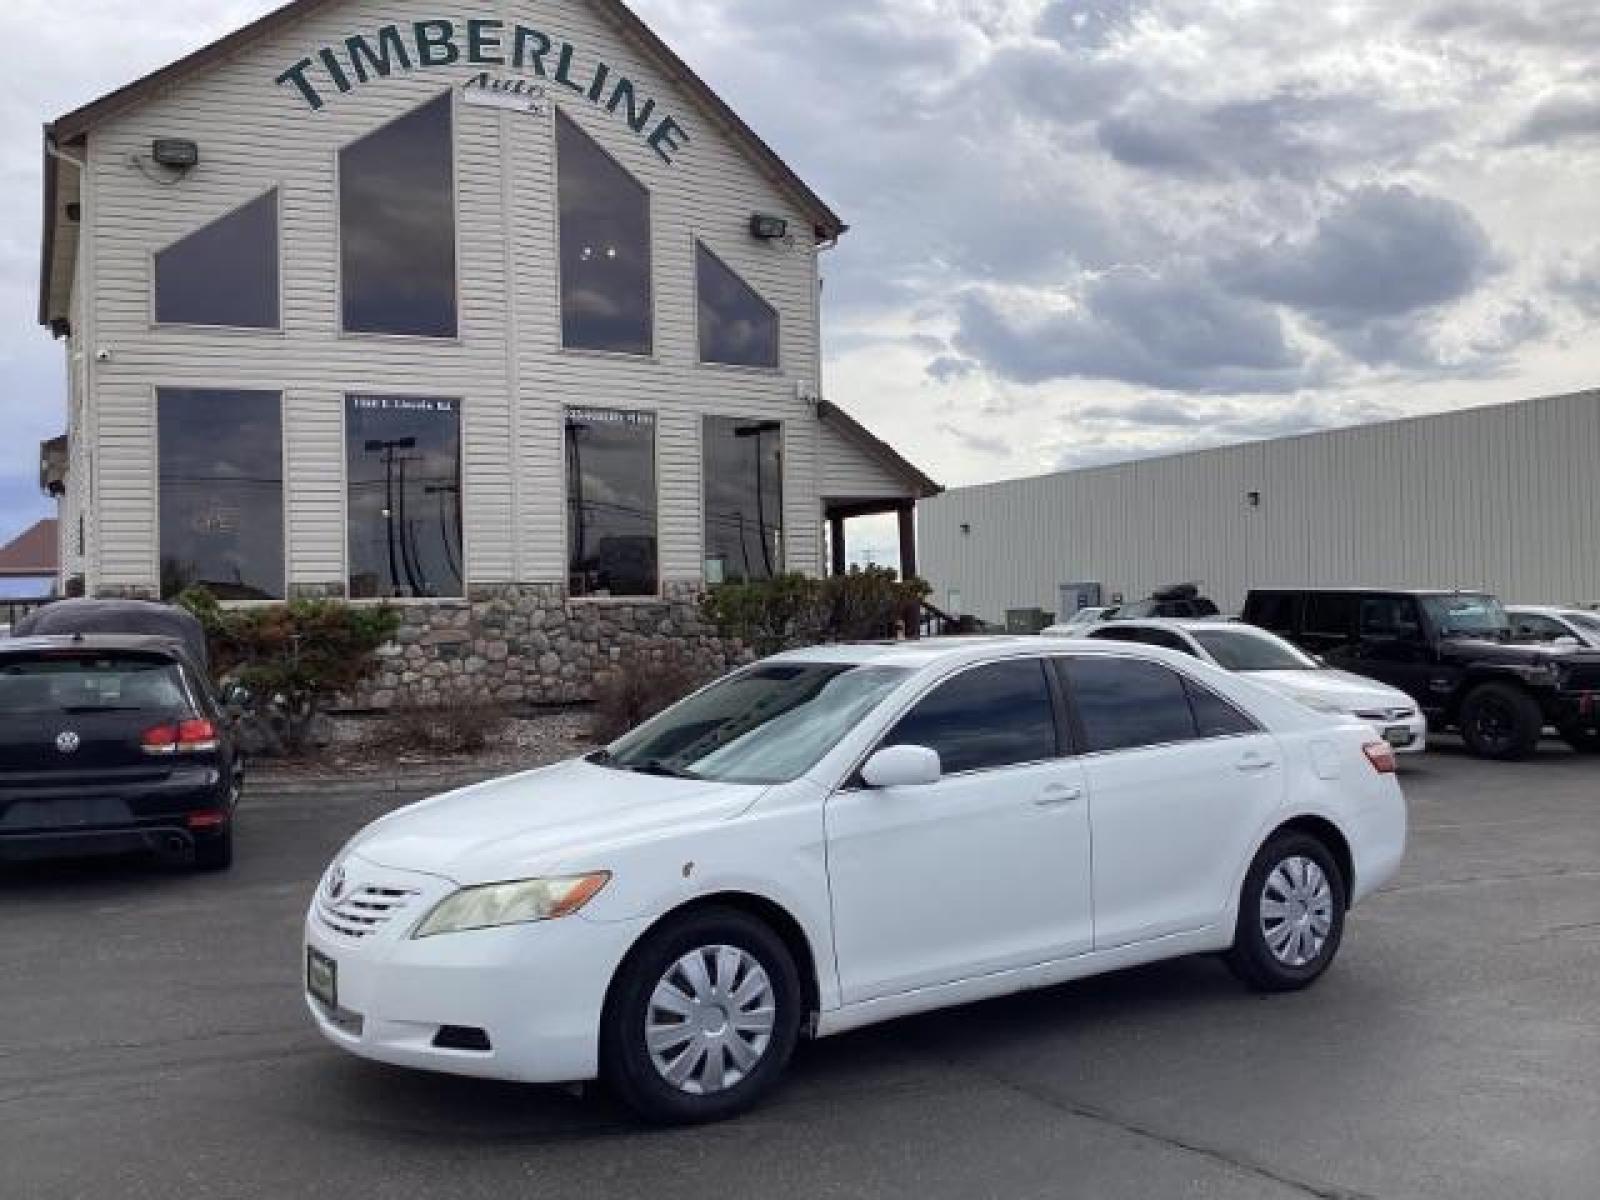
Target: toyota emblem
[
  {"x": 68, "y": 742},
  {"x": 336, "y": 882}
]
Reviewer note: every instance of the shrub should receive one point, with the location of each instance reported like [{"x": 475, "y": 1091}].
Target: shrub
[
  {"x": 291, "y": 660},
  {"x": 459, "y": 726},
  {"x": 638, "y": 686},
  {"x": 796, "y": 610}
]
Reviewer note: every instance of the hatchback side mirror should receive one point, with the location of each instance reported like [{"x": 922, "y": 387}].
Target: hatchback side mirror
[{"x": 902, "y": 766}]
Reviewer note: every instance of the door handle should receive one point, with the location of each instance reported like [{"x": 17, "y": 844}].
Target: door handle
[
  {"x": 1060, "y": 794},
  {"x": 1254, "y": 762}
]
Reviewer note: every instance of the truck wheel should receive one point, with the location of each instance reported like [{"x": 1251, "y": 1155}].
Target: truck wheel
[
  {"x": 1584, "y": 741},
  {"x": 1501, "y": 721}
]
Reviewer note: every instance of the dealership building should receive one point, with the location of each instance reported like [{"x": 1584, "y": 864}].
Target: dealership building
[
  {"x": 491, "y": 309},
  {"x": 1504, "y": 497}
]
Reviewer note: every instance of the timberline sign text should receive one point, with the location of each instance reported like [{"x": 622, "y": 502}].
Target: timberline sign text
[{"x": 343, "y": 66}]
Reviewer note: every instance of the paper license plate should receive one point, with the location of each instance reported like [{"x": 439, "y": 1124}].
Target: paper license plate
[{"x": 322, "y": 977}]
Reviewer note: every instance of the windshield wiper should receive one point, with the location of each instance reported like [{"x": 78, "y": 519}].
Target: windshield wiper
[
  {"x": 79, "y": 709},
  {"x": 655, "y": 766}
]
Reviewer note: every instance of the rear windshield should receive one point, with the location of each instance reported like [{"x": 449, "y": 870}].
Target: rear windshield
[{"x": 90, "y": 683}]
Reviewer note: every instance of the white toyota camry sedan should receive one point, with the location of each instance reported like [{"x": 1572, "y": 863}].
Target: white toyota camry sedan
[{"x": 845, "y": 835}]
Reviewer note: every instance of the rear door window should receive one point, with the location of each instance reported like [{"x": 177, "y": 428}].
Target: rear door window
[
  {"x": 85, "y": 683},
  {"x": 1124, "y": 703},
  {"x": 1330, "y": 614}
]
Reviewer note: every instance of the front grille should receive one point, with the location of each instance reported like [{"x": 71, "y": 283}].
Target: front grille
[
  {"x": 363, "y": 911},
  {"x": 1581, "y": 677},
  {"x": 1386, "y": 714}
]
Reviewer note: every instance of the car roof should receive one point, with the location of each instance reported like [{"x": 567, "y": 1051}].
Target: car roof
[
  {"x": 135, "y": 642},
  {"x": 959, "y": 649},
  {"x": 1216, "y": 622},
  {"x": 1375, "y": 591}
]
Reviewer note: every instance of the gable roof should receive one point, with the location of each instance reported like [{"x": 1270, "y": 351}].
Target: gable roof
[
  {"x": 858, "y": 434},
  {"x": 34, "y": 552},
  {"x": 76, "y": 124}
]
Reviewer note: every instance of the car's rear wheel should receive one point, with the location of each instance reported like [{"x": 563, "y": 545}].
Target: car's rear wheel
[
  {"x": 1501, "y": 721},
  {"x": 701, "y": 1018},
  {"x": 1291, "y": 914}
]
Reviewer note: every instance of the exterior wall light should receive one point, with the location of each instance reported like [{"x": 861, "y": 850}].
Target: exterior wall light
[
  {"x": 1253, "y": 499},
  {"x": 177, "y": 153},
  {"x": 768, "y": 228}
]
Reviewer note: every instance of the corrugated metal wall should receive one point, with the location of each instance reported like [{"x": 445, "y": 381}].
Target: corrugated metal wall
[{"x": 1505, "y": 497}]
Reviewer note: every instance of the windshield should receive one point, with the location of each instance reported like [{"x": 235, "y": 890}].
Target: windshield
[
  {"x": 1468, "y": 616},
  {"x": 766, "y": 724},
  {"x": 80, "y": 683},
  {"x": 1237, "y": 650}
]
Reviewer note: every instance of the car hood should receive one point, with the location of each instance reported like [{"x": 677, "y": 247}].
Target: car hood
[
  {"x": 1526, "y": 654},
  {"x": 1348, "y": 691},
  {"x": 565, "y": 817}
]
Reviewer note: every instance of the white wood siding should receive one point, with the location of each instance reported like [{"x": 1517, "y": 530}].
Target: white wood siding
[
  {"x": 850, "y": 473},
  {"x": 507, "y": 366},
  {"x": 1504, "y": 497}
]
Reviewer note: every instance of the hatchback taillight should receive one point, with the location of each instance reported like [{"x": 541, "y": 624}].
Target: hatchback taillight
[
  {"x": 1381, "y": 756},
  {"x": 180, "y": 737}
]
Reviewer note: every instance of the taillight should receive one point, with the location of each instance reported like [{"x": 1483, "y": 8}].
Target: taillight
[
  {"x": 1381, "y": 756},
  {"x": 180, "y": 737}
]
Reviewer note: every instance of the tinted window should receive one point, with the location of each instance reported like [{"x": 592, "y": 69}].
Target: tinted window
[
  {"x": 991, "y": 716},
  {"x": 225, "y": 273},
  {"x": 1123, "y": 703},
  {"x": 737, "y": 326},
  {"x": 743, "y": 473},
  {"x": 1271, "y": 610},
  {"x": 1164, "y": 638},
  {"x": 1330, "y": 613},
  {"x": 1390, "y": 616},
  {"x": 88, "y": 682},
  {"x": 611, "y": 502},
  {"x": 1214, "y": 716},
  {"x": 403, "y": 461},
  {"x": 605, "y": 247},
  {"x": 221, "y": 487},
  {"x": 397, "y": 228}
]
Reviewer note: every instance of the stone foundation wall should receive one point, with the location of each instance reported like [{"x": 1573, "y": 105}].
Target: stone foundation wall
[{"x": 531, "y": 643}]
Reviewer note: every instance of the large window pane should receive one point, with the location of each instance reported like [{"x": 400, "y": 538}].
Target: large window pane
[
  {"x": 998, "y": 715},
  {"x": 605, "y": 248},
  {"x": 224, "y": 273},
  {"x": 403, "y": 457},
  {"x": 1124, "y": 703},
  {"x": 611, "y": 502},
  {"x": 743, "y": 472},
  {"x": 397, "y": 226},
  {"x": 221, "y": 480},
  {"x": 737, "y": 326}
]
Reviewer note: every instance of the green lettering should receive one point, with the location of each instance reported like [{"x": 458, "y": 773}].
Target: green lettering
[
  {"x": 297, "y": 76},
  {"x": 637, "y": 117},
  {"x": 528, "y": 48},
  {"x": 335, "y": 72},
  {"x": 391, "y": 50},
  {"x": 564, "y": 66},
  {"x": 599, "y": 84},
  {"x": 480, "y": 41},
  {"x": 436, "y": 45},
  {"x": 661, "y": 140}
]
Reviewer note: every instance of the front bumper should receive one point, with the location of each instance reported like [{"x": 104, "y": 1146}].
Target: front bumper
[{"x": 536, "y": 991}]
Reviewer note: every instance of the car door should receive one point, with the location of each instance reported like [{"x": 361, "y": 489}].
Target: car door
[
  {"x": 1180, "y": 781},
  {"x": 1392, "y": 647},
  {"x": 986, "y": 870}
]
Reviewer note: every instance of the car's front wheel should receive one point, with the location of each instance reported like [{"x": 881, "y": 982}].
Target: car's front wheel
[
  {"x": 1501, "y": 721},
  {"x": 701, "y": 1018},
  {"x": 1291, "y": 914}
]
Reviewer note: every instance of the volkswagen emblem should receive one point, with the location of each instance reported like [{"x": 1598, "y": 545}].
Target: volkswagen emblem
[
  {"x": 336, "y": 882},
  {"x": 68, "y": 742}
]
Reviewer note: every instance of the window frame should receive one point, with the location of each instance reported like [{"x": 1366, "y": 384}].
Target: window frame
[
  {"x": 344, "y": 502},
  {"x": 282, "y": 393},
  {"x": 653, "y": 355},
  {"x": 1185, "y": 680},
  {"x": 1066, "y": 735},
  {"x": 152, "y": 253},
  {"x": 420, "y": 339},
  {"x": 697, "y": 241},
  {"x": 700, "y": 419},
  {"x": 566, "y": 508}
]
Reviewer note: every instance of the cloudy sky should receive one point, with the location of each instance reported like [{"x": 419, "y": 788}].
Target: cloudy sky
[{"x": 1082, "y": 231}]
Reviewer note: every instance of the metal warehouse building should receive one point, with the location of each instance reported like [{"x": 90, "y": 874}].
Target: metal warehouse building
[{"x": 1504, "y": 497}]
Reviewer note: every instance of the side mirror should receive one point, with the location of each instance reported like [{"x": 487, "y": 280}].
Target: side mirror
[{"x": 902, "y": 766}]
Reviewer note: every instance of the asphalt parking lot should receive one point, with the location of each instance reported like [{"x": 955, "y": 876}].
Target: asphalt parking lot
[{"x": 153, "y": 1044}]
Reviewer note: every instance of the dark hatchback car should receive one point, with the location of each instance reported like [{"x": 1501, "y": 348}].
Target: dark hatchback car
[{"x": 109, "y": 744}]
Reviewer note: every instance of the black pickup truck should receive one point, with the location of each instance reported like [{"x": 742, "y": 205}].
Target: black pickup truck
[{"x": 1453, "y": 653}]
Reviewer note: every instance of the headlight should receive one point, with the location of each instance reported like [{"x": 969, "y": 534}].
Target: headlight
[{"x": 512, "y": 903}]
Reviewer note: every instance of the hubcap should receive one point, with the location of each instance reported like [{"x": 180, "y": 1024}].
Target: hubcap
[
  {"x": 710, "y": 1019},
  {"x": 1296, "y": 911}
]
